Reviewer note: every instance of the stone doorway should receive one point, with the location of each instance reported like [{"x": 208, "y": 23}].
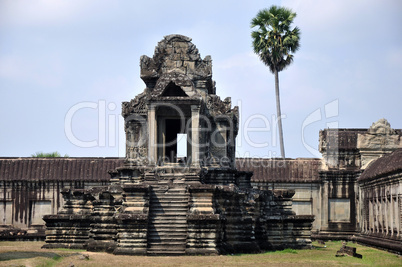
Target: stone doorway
[{"x": 172, "y": 132}]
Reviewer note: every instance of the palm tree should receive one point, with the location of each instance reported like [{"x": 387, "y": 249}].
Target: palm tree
[{"x": 274, "y": 42}]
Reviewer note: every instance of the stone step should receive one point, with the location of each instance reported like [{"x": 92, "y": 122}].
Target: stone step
[
  {"x": 169, "y": 182},
  {"x": 165, "y": 216},
  {"x": 166, "y": 230},
  {"x": 173, "y": 196},
  {"x": 171, "y": 213},
  {"x": 163, "y": 252},
  {"x": 170, "y": 202},
  {"x": 168, "y": 213},
  {"x": 169, "y": 194},
  {"x": 164, "y": 236},
  {"x": 166, "y": 227},
  {"x": 168, "y": 216},
  {"x": 164, "y": 195},
  {"x": 161, "y": 227},
  {"x": 169, "y": 207},
  {"x": 168, "y": 246},
  {"x": 169, "y": 191},
  {"x": 169, "y": 186},
  {"x": 166, "y": 189},
  {"x": 167, "y": 239},
  {"x": 163, "y": 221}
]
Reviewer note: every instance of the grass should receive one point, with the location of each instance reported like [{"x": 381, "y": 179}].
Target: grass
[
  {"x": 288, "y": 250},
  {"x": 320, "y": 255}
]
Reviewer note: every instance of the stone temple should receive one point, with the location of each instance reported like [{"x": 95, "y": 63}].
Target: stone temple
[
  {"x": 193, "y": 196},
  {"x": 178, "y": 191}
]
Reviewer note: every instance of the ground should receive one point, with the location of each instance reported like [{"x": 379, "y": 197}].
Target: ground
[{"x": 30, "y": 254}]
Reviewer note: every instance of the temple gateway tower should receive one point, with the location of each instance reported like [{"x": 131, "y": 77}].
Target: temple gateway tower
[
  {"x": 179, "y": 102},
  {"x": 179, "y": 191}
]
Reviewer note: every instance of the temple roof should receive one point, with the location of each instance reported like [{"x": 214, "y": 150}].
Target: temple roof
[
  {"x": 96, "y": 169},
  {"x": 57, "y": 169},
  {"x": 277, "y": 170},
  {"x": 386, "y": 165}
]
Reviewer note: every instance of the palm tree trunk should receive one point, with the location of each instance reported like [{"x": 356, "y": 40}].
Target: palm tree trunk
[{"x": 278, "y": 113}]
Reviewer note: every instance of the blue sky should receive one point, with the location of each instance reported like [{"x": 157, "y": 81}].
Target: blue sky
[{"x": 57, "y": 56}]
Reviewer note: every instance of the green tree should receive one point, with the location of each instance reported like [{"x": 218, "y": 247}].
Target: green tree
[
  {"x": 48, "y": 155},
  {"x": 275, "y": 42}
]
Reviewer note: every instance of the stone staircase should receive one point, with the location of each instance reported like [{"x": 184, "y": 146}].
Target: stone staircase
[{"x": 167, "y": 226}]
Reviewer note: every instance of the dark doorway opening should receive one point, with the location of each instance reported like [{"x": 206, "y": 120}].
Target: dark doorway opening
[{"x": 173, "y": 127}]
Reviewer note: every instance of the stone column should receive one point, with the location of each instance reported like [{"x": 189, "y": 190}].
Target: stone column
[
  {"x": 372, "y": 214},
  {"x": 358, "y": 205},
  {"x": 195, "y": 134},
  {"x": 152, "y": 144},
  {"x": 392, "y": 212},
  {"x": 325, "y": 207},
  {"x": 399, "y": 216},
  {"x": 386, "y": 212},
  {"x": 316, "y": 205}
]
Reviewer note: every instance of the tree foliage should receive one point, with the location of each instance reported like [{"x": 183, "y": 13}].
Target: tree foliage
[
  {"x": 48, "y": 155},
  {"x": 273, "y": 39}
]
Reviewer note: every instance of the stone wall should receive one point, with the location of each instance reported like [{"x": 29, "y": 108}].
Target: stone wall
[
  {"x": 380, "y": 190},
  {"x": 219, "y": 219},
  {"x": 32, "y": 187}
]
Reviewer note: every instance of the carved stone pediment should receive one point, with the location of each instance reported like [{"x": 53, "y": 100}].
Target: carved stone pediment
[
  {"x": 176, "y": 78},
  {"x": 135, "y": 106},
  {"x": 379, "y": 140},
  {"x": 381, "y": 127},
  {"x": 380, "y": 136}
]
